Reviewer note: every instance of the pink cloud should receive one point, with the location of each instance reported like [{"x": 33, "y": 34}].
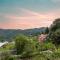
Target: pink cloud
[{"x": 31, "y": 19}]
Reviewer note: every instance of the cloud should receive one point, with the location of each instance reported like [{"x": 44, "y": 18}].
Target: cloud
[
  {"x": 28, "y": 15},
  {"x": 30, "y": 19}
]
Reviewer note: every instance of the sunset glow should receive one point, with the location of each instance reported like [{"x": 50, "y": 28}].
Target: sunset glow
[{"x": 17, "y": 15}]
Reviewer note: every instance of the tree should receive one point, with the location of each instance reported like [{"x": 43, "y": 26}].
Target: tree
[
  {"x": 55, "y": 25},
  {"x": 47, "y": 30},
  {"x": 20, "y": 42},
  {"x": 56, "y": 37},
  {"x": 26, "y": 46},
  {"x": 55, "y": 32}
]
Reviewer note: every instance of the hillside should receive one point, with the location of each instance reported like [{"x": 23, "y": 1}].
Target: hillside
[{"x": 8, "y": 34}]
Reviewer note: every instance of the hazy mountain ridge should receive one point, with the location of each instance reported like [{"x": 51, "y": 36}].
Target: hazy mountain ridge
[{"x": 8, "y": 34}]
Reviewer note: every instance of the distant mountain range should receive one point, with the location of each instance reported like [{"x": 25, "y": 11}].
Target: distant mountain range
[{"x": 8, "y": 34}]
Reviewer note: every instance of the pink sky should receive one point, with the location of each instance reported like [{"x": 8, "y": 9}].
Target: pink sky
[{"x": 30, "y": 19}]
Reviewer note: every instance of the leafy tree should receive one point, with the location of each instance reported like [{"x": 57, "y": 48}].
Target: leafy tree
[
  {"x": 26, "y": 46},
  {"x": 55, "y": 25},
  {"x": 20, "y": 42},
  {"x": 56, "y": 37},
  {"x": 47, "y": 30},
  {"x": 55, "y": 32}
]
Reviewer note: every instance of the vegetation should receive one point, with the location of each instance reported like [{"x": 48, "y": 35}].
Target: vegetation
[
  {"x": 55, "y": 32},
  {"x": 47, "y": 30}
]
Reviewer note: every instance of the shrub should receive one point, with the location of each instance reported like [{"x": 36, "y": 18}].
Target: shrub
[{"x": 20, "y": 42}]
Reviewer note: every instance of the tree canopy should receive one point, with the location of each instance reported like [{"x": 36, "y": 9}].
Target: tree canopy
[{"x": 55, "y": 32}]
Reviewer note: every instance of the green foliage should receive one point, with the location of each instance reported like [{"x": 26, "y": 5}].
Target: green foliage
[
  {"x": 47, "y": 30},
  {"x": 30, "y": 48},
  {"x": 56, "y": 37},
  {"x": 8, "y": 46},
  {"x": 6, "y": 56},
  {"x": 55, "y": 32},
  {"x": 20, "y": 42},
  {"x": 55, "y": 25},
  {"x": 47, "y": 46},
  {"x": 1, "y": 38},
  {"x": 26, "y": 46}
]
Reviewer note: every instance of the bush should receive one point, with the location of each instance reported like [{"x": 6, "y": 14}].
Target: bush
[
  {"x": 26, "y": 46},
  {"x": 20, "y": 42},
  {"x": 55, "y": 32},
  {"x": 56, "y": 37},
  {"x": 6, "y": 56}
]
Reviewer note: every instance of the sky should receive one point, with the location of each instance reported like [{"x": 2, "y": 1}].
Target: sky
[{"x": 26, "y": 14}]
